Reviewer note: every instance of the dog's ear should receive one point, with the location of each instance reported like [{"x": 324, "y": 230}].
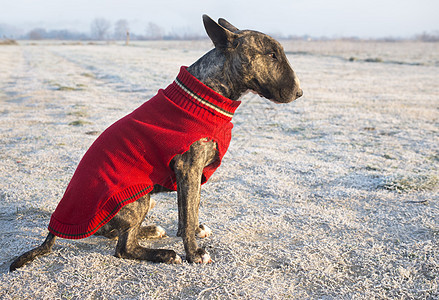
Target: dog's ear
[
  {"x": 227, "y": 25},
  {"x": 221, "y": 37}
]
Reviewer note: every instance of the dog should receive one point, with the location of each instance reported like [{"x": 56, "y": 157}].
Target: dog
[{"x": 174, "y": 141}]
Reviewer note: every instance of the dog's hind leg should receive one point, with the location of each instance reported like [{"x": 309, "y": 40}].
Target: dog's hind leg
[
  {"x": 111, "y": 229},
  {"x": 128, "y": 247},
  {"x": 128, "y": 221},
  {"x": 151, "y": 231},
  {"x": 45, "y": 248}
]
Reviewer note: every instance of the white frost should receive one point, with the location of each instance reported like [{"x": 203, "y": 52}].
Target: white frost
[{"x": 334, "y": 196}]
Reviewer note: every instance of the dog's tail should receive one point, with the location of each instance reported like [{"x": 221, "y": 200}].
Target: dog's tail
[{"x": 29, "y": 256}]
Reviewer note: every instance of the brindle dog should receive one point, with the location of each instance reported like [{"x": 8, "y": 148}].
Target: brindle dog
[{"x": 242, "y": 60}]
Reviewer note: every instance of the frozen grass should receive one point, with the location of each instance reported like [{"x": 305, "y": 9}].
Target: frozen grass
[{"x": 332, "y": 197}]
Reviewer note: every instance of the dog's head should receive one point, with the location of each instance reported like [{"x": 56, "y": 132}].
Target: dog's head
[{"x": 258, "y": 58}]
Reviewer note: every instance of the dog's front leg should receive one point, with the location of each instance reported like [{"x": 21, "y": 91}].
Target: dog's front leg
[{"x": 188, "y": 169}]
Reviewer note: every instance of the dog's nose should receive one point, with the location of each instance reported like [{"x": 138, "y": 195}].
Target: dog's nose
[{"x": 299, "y": 93}]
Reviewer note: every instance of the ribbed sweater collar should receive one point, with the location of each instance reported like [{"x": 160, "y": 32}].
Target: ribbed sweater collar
[{"x": 195, "y": 97}]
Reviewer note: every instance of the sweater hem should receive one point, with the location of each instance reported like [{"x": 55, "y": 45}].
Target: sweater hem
[{"x": 105, "y": 214}]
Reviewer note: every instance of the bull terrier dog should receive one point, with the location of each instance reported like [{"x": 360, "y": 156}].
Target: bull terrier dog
[{"x": 172, "y": 142}]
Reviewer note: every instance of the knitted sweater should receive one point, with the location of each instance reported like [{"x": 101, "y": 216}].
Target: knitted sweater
[{"x": 133, "y": 154}]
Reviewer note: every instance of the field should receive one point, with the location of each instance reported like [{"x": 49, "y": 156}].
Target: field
[{"x": 334, "y": 196}]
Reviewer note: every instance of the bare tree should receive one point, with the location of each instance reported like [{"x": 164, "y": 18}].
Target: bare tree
[
  {"x": 100, "y": 28},
  {"x": 37, "y": 34},
  {"x": 121, "y": 29},
  {"x": 154, "y": 31},
  {"x": 428, "y": 37}
]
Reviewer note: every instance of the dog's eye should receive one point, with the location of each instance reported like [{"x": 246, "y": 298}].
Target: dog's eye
[{"x": 272, "y": 55}]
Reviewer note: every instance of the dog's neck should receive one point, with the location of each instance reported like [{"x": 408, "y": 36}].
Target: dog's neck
[{"x": 214, "y": 70}]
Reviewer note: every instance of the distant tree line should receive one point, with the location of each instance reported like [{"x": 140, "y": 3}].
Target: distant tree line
[
  {"x": 43, "y": 34},
  {"x": 428, "y": 37},
  {"x": 102, "y": 29}
]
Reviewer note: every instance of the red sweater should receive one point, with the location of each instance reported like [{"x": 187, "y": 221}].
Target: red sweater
[{"x": 133, "y": 154}]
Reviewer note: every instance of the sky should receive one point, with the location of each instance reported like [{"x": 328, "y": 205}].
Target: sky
[{"x": 330, "y": 18}]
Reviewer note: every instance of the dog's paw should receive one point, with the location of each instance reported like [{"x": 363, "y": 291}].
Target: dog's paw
[
  {"x": 151, "y": 232},
  {"x": 160, "y": 232},
  {"x": 206, "y": 259},
  {"x": 203, "y": 231},
  {"x": 201, "y": 256},
  {"x": 176, "y": 260}
]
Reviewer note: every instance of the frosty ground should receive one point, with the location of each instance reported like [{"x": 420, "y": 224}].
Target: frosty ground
[{"x": 334, "y": 196}]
